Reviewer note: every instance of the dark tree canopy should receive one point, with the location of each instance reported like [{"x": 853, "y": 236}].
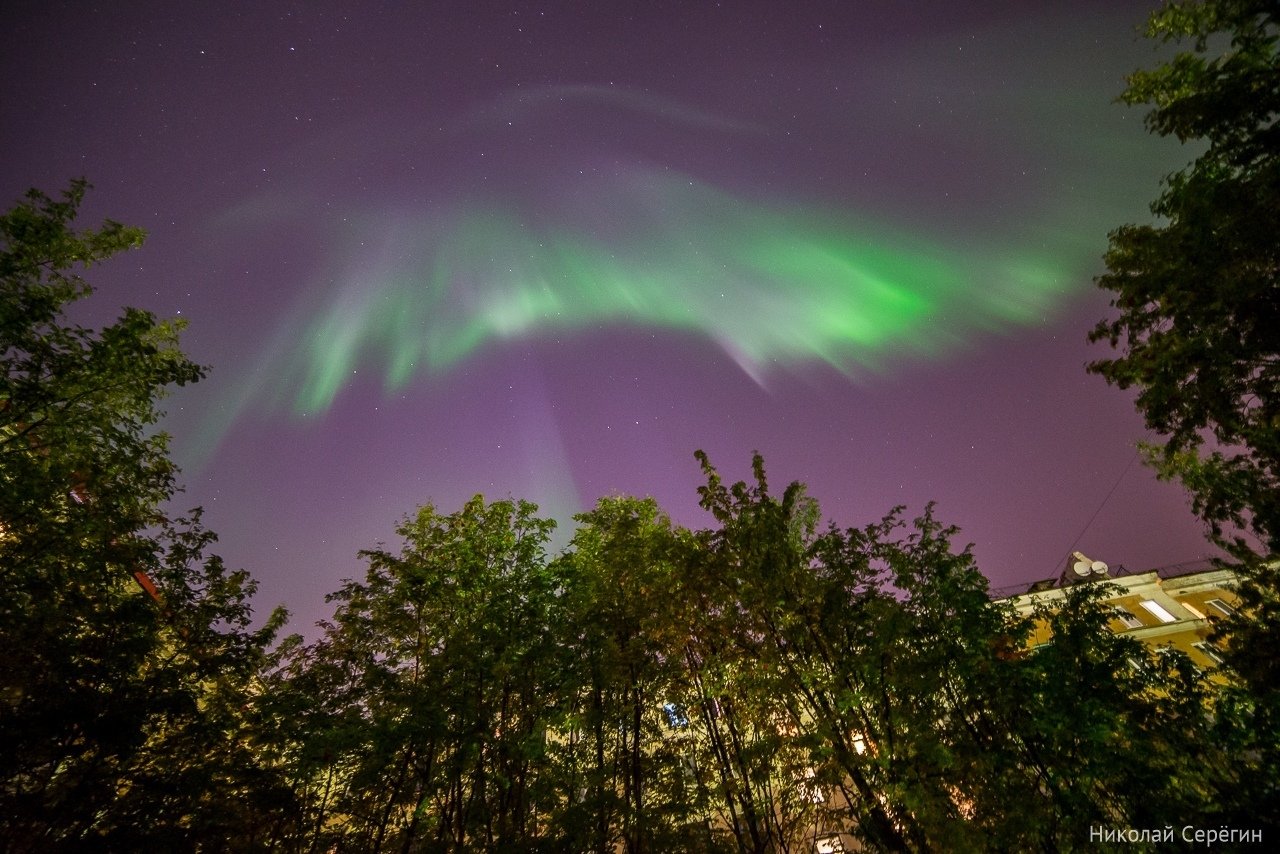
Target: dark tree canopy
[
  {"x": 1198, "y": 292},
  {"x": 1198, "y": 326},
  {"x": 128, "y": 651},
  {"x": 745, "y": 688}
]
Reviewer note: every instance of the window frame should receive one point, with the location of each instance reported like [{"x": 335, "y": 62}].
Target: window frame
[
  {"x": 1130, "y": 619},
  {"x": 1158, "y": 611}
]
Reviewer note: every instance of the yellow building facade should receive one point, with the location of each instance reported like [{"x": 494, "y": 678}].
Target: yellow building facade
[{"x": 1175, "y": 606}]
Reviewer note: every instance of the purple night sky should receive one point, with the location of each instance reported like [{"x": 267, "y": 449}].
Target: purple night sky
[{"x": 547, "y": 251}]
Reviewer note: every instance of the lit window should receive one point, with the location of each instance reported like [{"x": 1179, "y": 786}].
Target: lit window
[
  {"x": 1159, "y": 611},
  {"x": 1209, "y": 651},
  {"x": 1221, "y": 607},
  {"x": 1128, "y": 619},
  {"x": 963, "y": 804},
  {"x": 785, "y": 726},
  {"x": 832, "y": 844},
  {"x": 809, "y": 789},
  {"x": 676, "y": 718}
]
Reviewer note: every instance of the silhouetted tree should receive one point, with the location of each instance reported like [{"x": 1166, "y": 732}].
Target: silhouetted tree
[
  {"x": 129, "y": 653},
  {"x": 1198, "y": 294},
  {"x": 428, "y": 700}
]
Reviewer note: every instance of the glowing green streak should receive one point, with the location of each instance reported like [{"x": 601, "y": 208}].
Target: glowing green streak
[{"x": 770, "y": 285}]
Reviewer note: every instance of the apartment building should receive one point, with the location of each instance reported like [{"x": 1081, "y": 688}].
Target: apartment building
[{"x": 1174, "y": 605}]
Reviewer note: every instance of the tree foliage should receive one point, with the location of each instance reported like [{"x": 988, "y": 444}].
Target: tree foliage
[
  {"x": 1198, "y": 291},
  {"x": 750, "y": 687},
  {"x": 425, "y": 705},
  {"x": 1198, "y": 294},
  {"x": 128, "y": 651}
]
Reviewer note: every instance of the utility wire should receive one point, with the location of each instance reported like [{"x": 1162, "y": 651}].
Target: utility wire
[{"x": 1114, "y": 487}]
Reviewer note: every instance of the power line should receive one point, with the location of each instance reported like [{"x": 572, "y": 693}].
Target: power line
[{"x": 1071, "y": 548}]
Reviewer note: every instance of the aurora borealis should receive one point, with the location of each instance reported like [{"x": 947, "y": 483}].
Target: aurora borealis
[
  {"x": 773, "y": 288},
  {"x": 549, "y": 250}
]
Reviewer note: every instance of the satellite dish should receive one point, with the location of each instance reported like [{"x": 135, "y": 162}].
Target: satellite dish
[
  {"x": 1083, "y": 566},
  {"x": 1098, "y": 567}
]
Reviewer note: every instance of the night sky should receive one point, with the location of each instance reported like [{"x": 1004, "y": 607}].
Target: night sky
[{"x": 547, "y": 251}]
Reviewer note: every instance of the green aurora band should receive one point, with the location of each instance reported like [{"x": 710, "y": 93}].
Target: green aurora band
[{"x": 774, "y": 286}]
